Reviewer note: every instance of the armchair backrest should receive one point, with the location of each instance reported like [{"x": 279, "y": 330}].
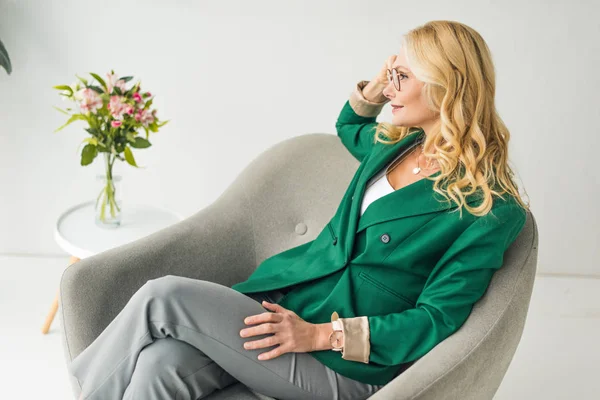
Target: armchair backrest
[{"x": 292, "y": 190}]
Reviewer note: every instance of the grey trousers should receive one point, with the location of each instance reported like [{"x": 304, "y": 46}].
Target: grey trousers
[{"x": 178, "y": 338}]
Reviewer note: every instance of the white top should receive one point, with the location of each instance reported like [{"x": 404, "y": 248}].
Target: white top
[
  {"x": 380, "y": 184},
  {"x": 380, "y": 187}
]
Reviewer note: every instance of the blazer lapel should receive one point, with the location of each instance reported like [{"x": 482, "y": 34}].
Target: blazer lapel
[{"x": 414, "y": 199}]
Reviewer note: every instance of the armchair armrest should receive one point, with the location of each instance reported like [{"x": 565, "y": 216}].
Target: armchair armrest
[{"x": 215, "y": 244}]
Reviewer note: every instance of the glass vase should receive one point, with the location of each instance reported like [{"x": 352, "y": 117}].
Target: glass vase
[{"x": 108, "y": 208}]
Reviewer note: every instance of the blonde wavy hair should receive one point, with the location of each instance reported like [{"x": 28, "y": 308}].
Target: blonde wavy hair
[{"x": 470, "y": 139}]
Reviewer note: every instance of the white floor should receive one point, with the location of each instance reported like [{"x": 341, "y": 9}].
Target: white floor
[{"x": 558, "y": 357}]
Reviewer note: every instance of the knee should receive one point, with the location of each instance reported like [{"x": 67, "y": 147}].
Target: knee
[
  {"x": 151, "y": 358},
  {"x": 162, "y": 286},
  {"x": 151, "y": 374},
  {"x": 159, "y": 369}
]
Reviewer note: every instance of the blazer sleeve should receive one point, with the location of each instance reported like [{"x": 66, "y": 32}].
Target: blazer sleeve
[
  {"x": 356, "y": 338},
  {"x": 357, "y": 122},
  {"x": 458, "y": 280}
]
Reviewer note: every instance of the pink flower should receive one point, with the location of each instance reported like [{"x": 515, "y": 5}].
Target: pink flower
[
  {"x": 137, "y": 97},
  {"x": 116, "y": 124},
  {"x": 145, "y": 117},
  {"x": 112, "y": 81},
  {"x": 121, "y": 85},
  {"x": 129, "y": 109},
  {"x": 89, "y": 100},
  {"x": 117, "y": 107}
]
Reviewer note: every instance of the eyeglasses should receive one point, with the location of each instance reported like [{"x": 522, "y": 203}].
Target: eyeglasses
[{"x": 394, "y": 75}]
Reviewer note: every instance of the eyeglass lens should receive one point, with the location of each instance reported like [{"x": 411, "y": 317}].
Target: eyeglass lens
[{"x": 392, "y": 75}]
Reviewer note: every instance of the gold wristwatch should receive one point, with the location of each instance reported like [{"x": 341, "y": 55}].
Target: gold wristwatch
[{"x": 336, "y": 338}]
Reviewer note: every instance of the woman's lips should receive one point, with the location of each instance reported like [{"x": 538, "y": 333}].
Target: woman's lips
[{"x": 396, "y": 108}]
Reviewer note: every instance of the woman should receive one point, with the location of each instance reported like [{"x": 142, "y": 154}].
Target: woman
[{"x": 402, "y": 267}]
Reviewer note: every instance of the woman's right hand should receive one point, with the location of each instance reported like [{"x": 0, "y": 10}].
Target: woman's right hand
[
  {"x": 381, "y": 77},
  {"x": 373, "y": 91}
]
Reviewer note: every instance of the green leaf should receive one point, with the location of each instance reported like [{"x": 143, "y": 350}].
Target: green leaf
[
  {"x": 96, "y": 89},
  {"x": 92, "y": 141},
  {"x": 153, "y": 127},
  {"x": 73, "y": 118},
  {"x": 5, "y": 59},
  {"x": 94, "y": 125},
  {"x": 64, "y": 87},
  {"x": 129, "y": 156},
  {"x": 92, "y": 131},
  {"x": 160, "y": 124},
  {"x": 117, "y": 90},
  {"x": 61, "y": 110},
  {"x": 141, "y": 143},
  {"x": 97, "y": 77},
  {"x": 148, "y": 103},
  {"x": 85, "y": 82},
  {"x": 126, "y": 78},
  {"x": 88, "y": 154}
]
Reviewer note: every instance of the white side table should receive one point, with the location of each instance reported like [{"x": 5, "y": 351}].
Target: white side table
[{"x": 77, "y": 233}]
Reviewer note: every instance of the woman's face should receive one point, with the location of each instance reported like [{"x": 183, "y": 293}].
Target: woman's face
[{"x": 414, "y": 111}]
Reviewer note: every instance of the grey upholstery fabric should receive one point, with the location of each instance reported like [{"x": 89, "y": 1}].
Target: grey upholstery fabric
[{"x": 298, "y": 181}]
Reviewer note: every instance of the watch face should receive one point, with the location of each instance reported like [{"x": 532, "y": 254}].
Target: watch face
[{"x": 336, "y": 339}]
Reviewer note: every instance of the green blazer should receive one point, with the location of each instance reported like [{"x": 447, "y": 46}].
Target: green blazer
[{"x": 409, "y": 265}]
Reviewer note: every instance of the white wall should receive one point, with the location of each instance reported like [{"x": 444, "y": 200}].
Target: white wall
[{"x": 236, "y": 77}]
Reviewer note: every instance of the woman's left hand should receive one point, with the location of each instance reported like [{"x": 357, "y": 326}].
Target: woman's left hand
[{"x": 290, "y": 332}]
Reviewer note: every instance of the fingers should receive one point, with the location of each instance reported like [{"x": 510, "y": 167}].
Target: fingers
[
  {"x": 264, "y": 317},
  {"x": 276, "y": 352},
  {"x": 261, "y": 329},
  {"x": 262, "y": 343},
  {"x": 391, "y": 60}
]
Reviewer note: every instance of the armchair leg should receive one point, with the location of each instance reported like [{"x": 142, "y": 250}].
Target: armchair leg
[{"x": 54, "y": 306}]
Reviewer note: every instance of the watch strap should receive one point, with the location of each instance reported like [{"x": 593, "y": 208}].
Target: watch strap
[{"x": 337, "y": 327}]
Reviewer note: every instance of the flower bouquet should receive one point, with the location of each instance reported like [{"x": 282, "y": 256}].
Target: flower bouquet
[{"x": 115, "y": 114}]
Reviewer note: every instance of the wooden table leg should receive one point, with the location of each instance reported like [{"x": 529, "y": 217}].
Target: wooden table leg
[{"x": 54, "y": 306}]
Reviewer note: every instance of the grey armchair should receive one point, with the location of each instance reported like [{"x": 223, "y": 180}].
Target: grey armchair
[{"x": 256, "y": 217}]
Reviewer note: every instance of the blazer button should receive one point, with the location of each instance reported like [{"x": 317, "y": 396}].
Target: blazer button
[{"x": 385, "y": 238}]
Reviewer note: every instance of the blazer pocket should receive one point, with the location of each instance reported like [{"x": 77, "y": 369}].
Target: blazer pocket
[{"x": 384, "y": 288}]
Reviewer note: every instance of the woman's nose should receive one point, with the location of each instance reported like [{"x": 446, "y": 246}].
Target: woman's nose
[{"x": 387, "y": 92}]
